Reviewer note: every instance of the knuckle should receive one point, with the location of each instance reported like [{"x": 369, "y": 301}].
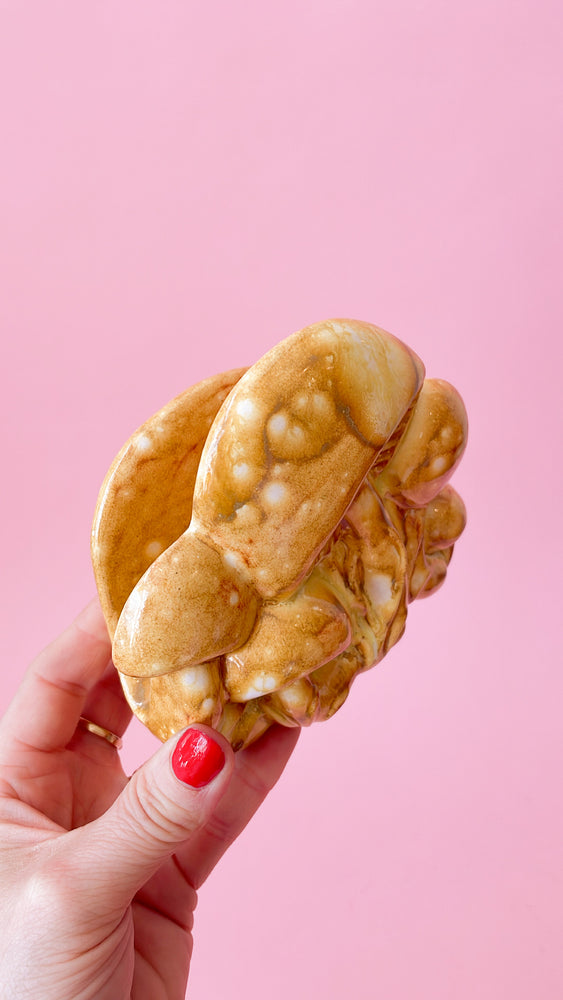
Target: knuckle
[
  {"x": 149, "y": 807},
  {"x": 48, "y": 892}
]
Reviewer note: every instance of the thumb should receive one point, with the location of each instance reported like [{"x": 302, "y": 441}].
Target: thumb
[{"x": 165, "y": 802}]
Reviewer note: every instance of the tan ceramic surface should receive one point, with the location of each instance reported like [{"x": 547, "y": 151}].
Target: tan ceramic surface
[{"x": 256, "y": 543}]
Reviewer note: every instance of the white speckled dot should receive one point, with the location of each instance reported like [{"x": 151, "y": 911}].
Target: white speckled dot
[
  {"x": 275, "y": 493},
  {"x": 250, "y": 693},
  {"x": 278, "y": 423},
  {"x": 438, "y": 465},
  {"x": 262, "y": 685},
  {"x": 139, "y": 692},
  {"x": 247, "y": 409},
  {"x": 247, "y": 515},
  {"x": 196, "y": 680},
  {"x": 292, "y": 695},
  {"x": 320, "y": 401},
  {"x": 378, "y": 588},
  {"x": 144, "y": 443},
  {"x": 154, "y": 548},
  {"x": 296, "y": 435},
  {"x": 232, "y": 559},
  {"x": 241, "y": 470}
]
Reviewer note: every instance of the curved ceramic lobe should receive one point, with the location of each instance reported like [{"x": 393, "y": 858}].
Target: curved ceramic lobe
[
  {"x": 190, "y": 606},
  {"x": 290, "y": 638},
  {"x": 145, "y": 501},
  {"x": 430, "y": 449},
  {"x": 293, "y": 442}
]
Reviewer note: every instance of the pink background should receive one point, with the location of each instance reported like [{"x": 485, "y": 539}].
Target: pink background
[{"x": 181, "y": 186}]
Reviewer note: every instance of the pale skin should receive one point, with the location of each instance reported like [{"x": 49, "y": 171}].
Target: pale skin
[{"x": 99, "y": 872}]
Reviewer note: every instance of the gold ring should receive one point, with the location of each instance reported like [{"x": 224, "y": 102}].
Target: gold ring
[{"x": 106, "y": 734}]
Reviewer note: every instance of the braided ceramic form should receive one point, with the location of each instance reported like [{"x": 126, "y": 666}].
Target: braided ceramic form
[{"x": 257, "y": 542}]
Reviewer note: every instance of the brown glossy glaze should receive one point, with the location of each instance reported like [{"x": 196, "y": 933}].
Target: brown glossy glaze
[{"x": 257, "y": 542}]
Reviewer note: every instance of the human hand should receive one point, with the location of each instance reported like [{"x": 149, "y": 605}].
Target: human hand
[{"x": 99, "y": 872}]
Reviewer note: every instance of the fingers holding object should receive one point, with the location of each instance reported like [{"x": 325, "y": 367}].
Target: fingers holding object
[
  {"x": 257, "y": 769},
  {"x": 51, "y": 698},
  {"x": 105, "y": 704}
]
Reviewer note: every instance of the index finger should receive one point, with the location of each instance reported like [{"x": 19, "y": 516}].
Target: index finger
[{"x": 48, "y": 704}]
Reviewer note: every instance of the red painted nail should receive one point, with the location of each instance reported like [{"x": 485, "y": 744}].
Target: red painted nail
[{"x": 197, "y": 758}]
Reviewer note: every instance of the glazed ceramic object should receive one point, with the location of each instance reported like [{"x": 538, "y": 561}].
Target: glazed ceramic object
[{"x": 257, "y": 542}]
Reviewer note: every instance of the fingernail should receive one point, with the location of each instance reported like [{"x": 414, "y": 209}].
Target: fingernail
[{"x": 197, "y": 758}]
